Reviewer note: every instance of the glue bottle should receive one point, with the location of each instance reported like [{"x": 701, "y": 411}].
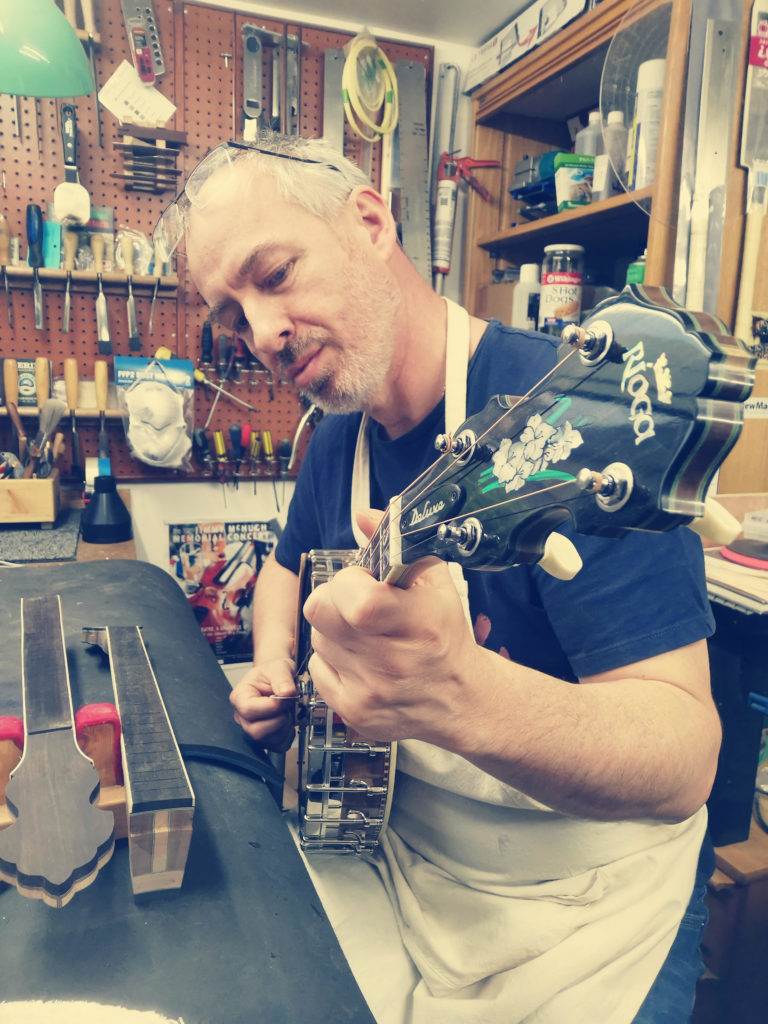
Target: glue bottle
[{"x": 525, "y": 298}]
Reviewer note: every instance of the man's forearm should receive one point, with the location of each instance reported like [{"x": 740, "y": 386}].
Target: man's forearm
[{"x": 275, "y": 609}]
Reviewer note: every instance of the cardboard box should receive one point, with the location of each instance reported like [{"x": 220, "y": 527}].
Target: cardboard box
[
  {"x": 573, "y": 180},
  {"x": 495, "y": 301},
  {"x": 30, "y": 501}
]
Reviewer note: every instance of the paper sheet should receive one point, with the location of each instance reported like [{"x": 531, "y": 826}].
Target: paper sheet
[{"x": 126, "y": 96}]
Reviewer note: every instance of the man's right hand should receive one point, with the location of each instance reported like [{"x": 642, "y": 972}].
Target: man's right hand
[{"x": 260, "y": 703}]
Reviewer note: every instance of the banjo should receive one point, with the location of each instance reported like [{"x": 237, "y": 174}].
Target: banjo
[{"x": 624, "y": 433}]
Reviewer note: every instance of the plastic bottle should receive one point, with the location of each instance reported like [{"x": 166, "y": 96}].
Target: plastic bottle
[
  {"x": 525, "y": 298},
  {"x": 589, "y": 139},
  {"x": 636, "y": 269},
  {"x": 644, "y": 137},
  {"x": 610, "y": 167}
]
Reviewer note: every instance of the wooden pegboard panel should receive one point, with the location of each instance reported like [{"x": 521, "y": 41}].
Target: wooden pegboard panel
[{"x": 202, "y": 47}]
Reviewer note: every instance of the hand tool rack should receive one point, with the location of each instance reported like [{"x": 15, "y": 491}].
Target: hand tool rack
[{"x": 203, "y": 49}]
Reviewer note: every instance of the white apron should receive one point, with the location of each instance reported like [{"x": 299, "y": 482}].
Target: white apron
[{"x": 489, "y": 907}]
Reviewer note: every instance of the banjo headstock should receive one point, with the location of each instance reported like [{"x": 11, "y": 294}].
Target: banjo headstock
[{"x": 625, "y": 433}]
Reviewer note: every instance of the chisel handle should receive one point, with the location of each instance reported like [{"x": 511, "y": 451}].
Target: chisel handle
[
  {"x": 71, "y": 383},
  {"x": 42, "y": 381},
  {"x": 70, "y": 13},
  {"x": 5, "y": 242},
  {"x": 97, "y": 248},
  {"x": 101, "y": 383},
  {"x": 126, "y": 247},
  {"x": 86, "y": 6},
  {"x": 35, "y": 235},
  {"x": 11, "y": 381},
  {"x": 70, "y": 248}
]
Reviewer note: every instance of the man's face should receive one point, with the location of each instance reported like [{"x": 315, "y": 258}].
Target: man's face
[{"x": 312, "y": 300}]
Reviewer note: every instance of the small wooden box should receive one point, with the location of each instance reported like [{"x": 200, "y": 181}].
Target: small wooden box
[{"x": 30, "y": 501}]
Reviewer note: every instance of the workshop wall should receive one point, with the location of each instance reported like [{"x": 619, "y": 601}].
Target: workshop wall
[{"x": 202, "y": 49}]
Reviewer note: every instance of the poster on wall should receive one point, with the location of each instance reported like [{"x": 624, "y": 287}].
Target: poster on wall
[{"x": 216, "y": 564}]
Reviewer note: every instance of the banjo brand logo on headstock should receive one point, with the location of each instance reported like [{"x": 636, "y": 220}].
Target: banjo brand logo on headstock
[{"x": 635, "y": 383}]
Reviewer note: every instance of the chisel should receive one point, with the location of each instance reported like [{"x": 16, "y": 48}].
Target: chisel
[
  {"x": 101, "y": 383},
  {"x": 70, "y": 250},
  {"x": 35, "y": 258},
  {"x": 72, "y": 385},
  {"x": 5, "y": 259},
  {"x": 134, "y": 341},
  {"x": 11, "y": 391},
  {"x": 102, "y": 313}
]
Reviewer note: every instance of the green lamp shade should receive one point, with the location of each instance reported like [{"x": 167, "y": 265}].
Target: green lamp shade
[{"x": 40, "y": 54}]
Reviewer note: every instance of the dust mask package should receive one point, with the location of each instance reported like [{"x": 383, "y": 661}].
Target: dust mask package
[{"x": 157, "y": 400}]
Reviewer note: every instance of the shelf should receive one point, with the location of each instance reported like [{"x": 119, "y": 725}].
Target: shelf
[
  {"x": 586, "y": 225},
  {"x": 80, "y": 414},
  {"x": 114, "y": 281}
]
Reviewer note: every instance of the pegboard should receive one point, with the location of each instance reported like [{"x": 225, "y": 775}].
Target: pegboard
[{"x": 203, "y": 52}]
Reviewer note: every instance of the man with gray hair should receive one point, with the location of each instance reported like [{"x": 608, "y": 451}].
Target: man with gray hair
[{"x": 540, "y": 862}]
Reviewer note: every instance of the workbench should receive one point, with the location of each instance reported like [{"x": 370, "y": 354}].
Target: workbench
[{"x": 245, "y": 938}]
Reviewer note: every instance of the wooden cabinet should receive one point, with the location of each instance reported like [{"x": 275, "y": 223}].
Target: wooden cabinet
[{"x": 525, "y": 109}]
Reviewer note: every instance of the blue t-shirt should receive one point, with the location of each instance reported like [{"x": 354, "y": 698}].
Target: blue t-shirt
[{"x": 635, "y": 597}]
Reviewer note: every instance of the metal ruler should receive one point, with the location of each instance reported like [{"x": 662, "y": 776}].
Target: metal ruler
[
  {"x": 333, "y": 103},
  {"x": 413, "y": 165},
  {"x": 144, "y": 12}
]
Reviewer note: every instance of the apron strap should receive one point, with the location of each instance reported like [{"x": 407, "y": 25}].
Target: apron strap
[{"x": 456, "y": 361}]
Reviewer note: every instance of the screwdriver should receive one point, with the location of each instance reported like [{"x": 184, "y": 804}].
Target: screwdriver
[
  {"x": 284, "y": 457},
  {"x": 235, "y": 434},
  {"x": 254, "y": 448},
  {"x": 245, "y": 444},
  {"x": 203, "y": 450},
  {"x": 206, "y": 355},
  {"x": 35, "y": 258},
  {"x": 5, "y": 259},
  {"x": 202, "y": 379},
  {"x": 221, "y": 457},
  {"x": 269, "y": 458},
  {"x": 219, "y": 393}
]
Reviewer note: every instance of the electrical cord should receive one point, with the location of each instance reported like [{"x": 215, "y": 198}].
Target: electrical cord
[{"x": 369, "y": 86}]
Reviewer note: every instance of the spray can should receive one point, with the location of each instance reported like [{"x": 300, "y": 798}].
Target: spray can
[
  {"x": 525, "y": 298},
  {"x": 644, "y": 137}
]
